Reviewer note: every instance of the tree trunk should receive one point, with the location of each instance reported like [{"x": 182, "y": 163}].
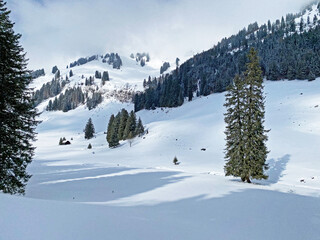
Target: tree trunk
[{"x": 248, "y": 179}]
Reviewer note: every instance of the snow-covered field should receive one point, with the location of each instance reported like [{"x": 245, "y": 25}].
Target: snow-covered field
[{"x": 137, "y": 193}]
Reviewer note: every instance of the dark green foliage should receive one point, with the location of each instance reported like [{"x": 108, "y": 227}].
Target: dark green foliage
[
  {"x": 113, "y": 138},
  {"x": 168, "y": 92},
  {"x": 90, "y": 81},
  {"x": 110, "y": 128},
  {"x": 123, "y": 126},
  {"x": 89, "y": 146},
  {"x": 123, "y": 122},
  {"x": 94, "y": 100},
  {"x": 54, "y": 69},
  {"x": 130, "y": 125},
  {"x": 142, "y": 63},
  {"x": 89, "y": 130},
  {"x": 246, "y": 150},
  {"x": 177, "y": 62},
  {"x": 61, "y": 141},
  {"x": 48, "y": 90},
  {"x": 114, "y": 60},
  {"x": 234, "y": 120},
  {"x": 175, "y": 161},
  {"x": 97, "y": 75},
  {"x": 284, "y": 53},
  {"x": 165, "y": 66},
  {"x": 17, "y": 116},
  {"x": 139, "y": 128},
  {"x": 57, "y": 75},
  {"x": 105, "y": 77},
  {"x": 68, "y": 100},
  {"x": 37, "y": 73}
]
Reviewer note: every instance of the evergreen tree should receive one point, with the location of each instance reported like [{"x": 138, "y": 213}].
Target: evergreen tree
[
  {"x": 60, "y": 141},
  {"x": 17, "y": 116},
  {"x": 246, "y": 150},
  {"x": 109, "y": 130},
  {"x": 89, "y": 146},
  {"x": 124, "y": 115},
  {"x": 139, "y": 128},
  {"x": 70, "y": 73},
  {"x": 130, "y": 126},
  {"x": 175, "y": 161},
  {"x": 54, "y": 69},
  {"x": 234, "y": 129},
  {"x": 114, "y": 140},
  {"x": 255, "y": 138},
  {"x": 89, "y": 130}
]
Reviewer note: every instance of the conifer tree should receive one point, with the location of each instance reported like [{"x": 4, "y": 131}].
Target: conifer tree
[
  {"x": 246, "y": 151},
  {"x": 89, "y": 130},
  {"x": 124, "y": 115},
  {"x": 17, "y": 116},
  {"x": 234, "y": 129},
  {"x": 255, "y": 137},
  {"x": 114, "y": 140},
  {"x": 130, "y": 126},
  {"x": 109, "y": 130},
  {"x": 139, "y": 128}
]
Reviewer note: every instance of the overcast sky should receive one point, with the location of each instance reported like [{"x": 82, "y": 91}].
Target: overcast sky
[{"x": 59, "y": 31}]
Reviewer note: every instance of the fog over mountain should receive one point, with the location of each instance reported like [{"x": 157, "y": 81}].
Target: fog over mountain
[{"x": 56, "y": 31}]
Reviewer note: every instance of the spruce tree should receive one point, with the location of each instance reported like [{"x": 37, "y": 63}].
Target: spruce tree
[
  {"x": 246, "y": 150},
  {"x": 130, "y": 126},
  {"x": 139, "y": 128},
  {"x": 17, "y": 116},
  {"x": 234, "y": 129},
  {"x": 89, "y": 130},
  {"x": 109, "y": 130},
  {"x": 255, "y": 153},
  {"x": 114, "y": 140},
  {"x": 123, "y": 122}
]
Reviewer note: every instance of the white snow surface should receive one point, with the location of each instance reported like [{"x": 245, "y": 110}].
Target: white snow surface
[{"x": 137, "y": 193}]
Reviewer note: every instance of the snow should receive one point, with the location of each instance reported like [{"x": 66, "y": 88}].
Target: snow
[{"x": 138, "y": 193}]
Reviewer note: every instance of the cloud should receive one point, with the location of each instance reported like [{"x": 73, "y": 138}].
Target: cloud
[{"x": 59, "y": 31}]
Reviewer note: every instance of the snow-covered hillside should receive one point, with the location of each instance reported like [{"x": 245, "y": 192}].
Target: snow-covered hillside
[
  {"x": 128, "y": 79},
  {"x": 138, "y": 193}
]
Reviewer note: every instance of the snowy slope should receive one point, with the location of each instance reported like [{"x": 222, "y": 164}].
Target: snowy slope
[{"x": 137, "y": 193}]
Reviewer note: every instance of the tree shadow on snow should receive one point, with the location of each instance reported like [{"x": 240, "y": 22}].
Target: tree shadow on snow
[{"x": 276, "y": 169}]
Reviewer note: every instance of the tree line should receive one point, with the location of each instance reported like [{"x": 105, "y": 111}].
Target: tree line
[{"x": 286, "y": 51}]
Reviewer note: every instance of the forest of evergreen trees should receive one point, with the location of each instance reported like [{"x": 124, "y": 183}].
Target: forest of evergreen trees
[
  {"x": 110, "y": 58},
  {"x": 123, "y": 126},
  {"x": 286, "y": 51},
  {"x": 72, "y": 98},
  {"x": 37, "y": 73},
  {"x": 48, "y": 90}
]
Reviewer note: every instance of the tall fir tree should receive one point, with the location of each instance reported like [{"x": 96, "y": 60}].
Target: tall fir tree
[
  {"x": 114, "y": 139},
  {"x": 131, "y": 125},
  {"x": 109, "y": 130},
  {"x": 234, "y": 129},
  {"x": 246, "y": 150},
  {"x": 255, "y": 137},
  {"x": 17, "y": 116},
  {"x": 139, "y": 128},
  {"x": 89, "y": 130},
  {"x": 123, "y": 122}
]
